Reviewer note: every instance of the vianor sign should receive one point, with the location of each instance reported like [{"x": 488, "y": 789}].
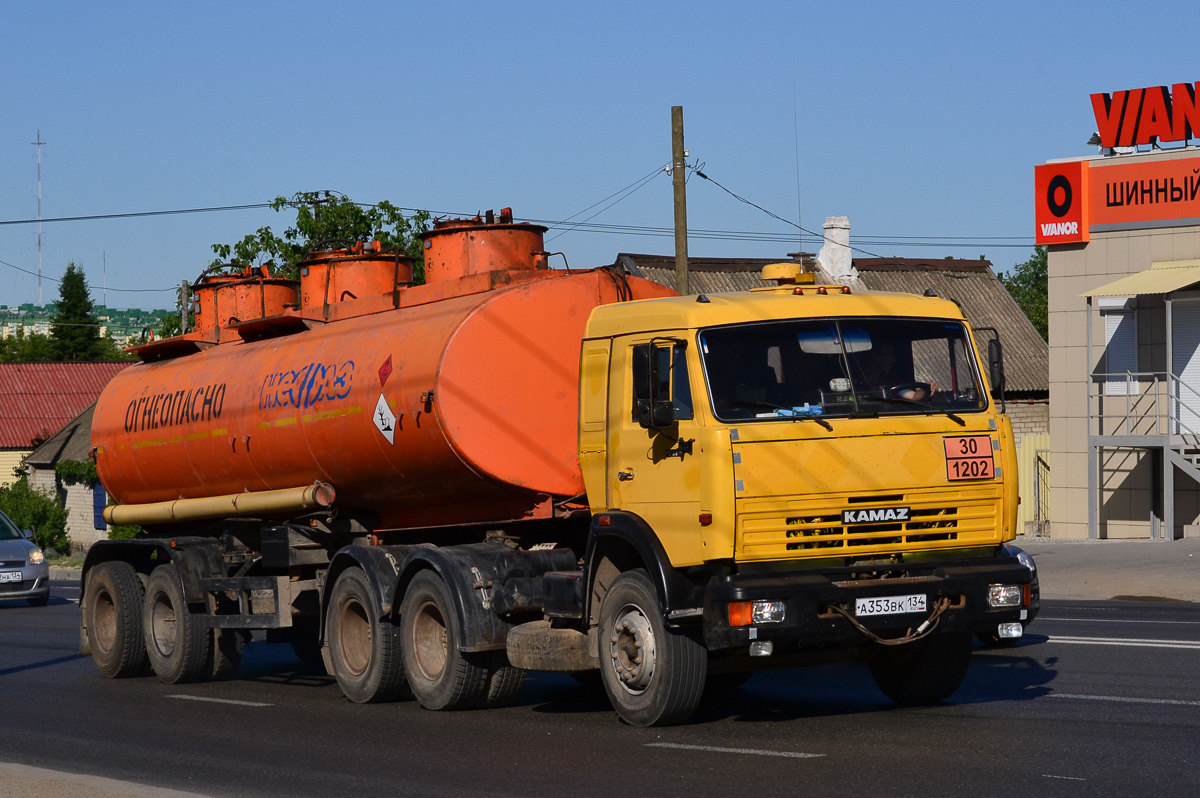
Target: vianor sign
[
  {"x": 1147, "y": 116},
  {"x": 1076, "y": 197}
]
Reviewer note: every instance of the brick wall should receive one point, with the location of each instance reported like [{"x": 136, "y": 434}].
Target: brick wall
[
  {"x": 1029, "y": 417},
  {"x": 78, "y": 501}
]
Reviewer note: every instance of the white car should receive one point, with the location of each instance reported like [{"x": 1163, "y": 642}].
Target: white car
[{"x": 24, "y": 573}]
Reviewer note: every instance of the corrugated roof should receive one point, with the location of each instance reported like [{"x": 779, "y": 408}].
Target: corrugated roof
[
  {"x": 72, "y": 442},
  {"x": 983, "y": 298},
  {"x": 38, "y": 399},
  {"x": 984, "y": 301},
  {"x": 1162, "y": 277},
  {"x": 705, "y": 275}
]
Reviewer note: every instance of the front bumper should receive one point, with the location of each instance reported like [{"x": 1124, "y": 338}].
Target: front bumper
[
  {"x": 34, "y": 584},
  {"x": 811, "y": 625}
]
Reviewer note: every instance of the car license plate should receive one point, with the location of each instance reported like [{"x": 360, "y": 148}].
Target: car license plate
[
  {"x": 890, "y": 605},
  {"x": 10, "y": 576}
]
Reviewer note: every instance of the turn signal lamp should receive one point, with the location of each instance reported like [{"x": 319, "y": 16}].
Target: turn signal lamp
[
  {"x": 1004, "y": 595},
  {"x": 747, "y": 613}
]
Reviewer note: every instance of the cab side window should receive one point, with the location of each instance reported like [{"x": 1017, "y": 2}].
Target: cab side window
[{"x": 660, "y": 372}]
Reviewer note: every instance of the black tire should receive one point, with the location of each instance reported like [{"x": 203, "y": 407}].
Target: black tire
[
  {"x": 39, "y": 601},
  {"x": 177, "y": 643},
  {"x": 924, "y": 672},
  {"x": 654, "y": 675},
  {"x": 113, "y": 604},
  {"x": 224, "y": 654},
  {"x": 504, "y": 682},
  {"x": 364, "y": 649},
  {"x": 441, "y": 676},
  {"x": 306, "y": 643}
]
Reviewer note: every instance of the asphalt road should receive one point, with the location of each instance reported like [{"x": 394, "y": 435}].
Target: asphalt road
[{"x": 1099, "y": 698}]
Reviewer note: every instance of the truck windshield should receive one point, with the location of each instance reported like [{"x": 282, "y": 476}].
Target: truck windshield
[{"x": 840, "y": 367}]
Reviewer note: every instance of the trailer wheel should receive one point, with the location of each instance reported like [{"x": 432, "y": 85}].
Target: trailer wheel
[
  {"x": 504, "y": 682},
  {"x": 225, "y": 654},
  {"x": 177, "y": 643},
  {"x": 441, "y": 676},
  {"x": 114, "y": 619},
  {"x": 364, "y": 649},
  {"x": 654, "y": 675},
  {"x": 924, "y": 672}
]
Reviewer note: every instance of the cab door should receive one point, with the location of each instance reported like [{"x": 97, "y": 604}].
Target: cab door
[{"x": 654, "y": 462}]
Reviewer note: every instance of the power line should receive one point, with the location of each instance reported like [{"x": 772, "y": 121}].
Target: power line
[
  {"x": 123, "y": 290},
  {"x": 138, "y": 214}
]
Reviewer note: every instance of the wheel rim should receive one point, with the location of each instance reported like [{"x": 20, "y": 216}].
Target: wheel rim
[
  {"x": 354, "y": 636},
  {"x": 632, "y": 649},
  {"x": 429, "y": 641},
  {"x": 163, "y": 625},
  {"x": 104, "y": 621}
]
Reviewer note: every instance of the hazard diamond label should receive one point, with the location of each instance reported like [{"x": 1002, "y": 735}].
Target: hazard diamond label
[
  {"x": 385, "y": 420},
  {"x": 385, "y": 371}
]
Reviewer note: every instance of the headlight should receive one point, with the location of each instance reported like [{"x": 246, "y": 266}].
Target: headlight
[
  {"x": 1027, "y": 560},
  {"x": 1004, "y": 595},
  {"x": 36, "y": 557}
]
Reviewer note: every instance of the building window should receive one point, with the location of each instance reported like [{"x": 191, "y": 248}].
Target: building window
[{"x": 1120, "y": 352}]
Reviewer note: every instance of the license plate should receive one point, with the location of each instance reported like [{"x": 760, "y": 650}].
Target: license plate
[
  {"x": 10, "y": 576},
  {"x": 890, "y": 605}
]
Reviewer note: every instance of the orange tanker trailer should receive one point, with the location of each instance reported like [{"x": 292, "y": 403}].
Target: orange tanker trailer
[{"x": 447, "y": 403}]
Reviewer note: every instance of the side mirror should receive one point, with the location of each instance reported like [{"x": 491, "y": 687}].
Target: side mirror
[
  {"x": 27, "y": 534},
  {"x": 996, "y": 365},
  {"x": 655, "y": 415}
]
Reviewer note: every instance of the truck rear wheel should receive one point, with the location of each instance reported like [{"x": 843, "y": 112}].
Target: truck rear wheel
[
  {"x": 114, "y": 619},
  {"x": 364, "y": 648},
  {"x": 441, "y": 676},
  {"x": 924, "y": 672},
  {"x": 177, "y": 643},
  {"x": 653, "y": 674},
  {"x": 504, "y": 682}
]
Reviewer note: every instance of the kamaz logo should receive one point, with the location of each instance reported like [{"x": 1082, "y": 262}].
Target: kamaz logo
[{"x": 874, "y": 516}]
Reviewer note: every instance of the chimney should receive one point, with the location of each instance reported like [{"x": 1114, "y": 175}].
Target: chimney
[{"x": 835, "y": 256}]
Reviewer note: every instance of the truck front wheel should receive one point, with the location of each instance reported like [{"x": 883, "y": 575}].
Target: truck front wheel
[
  {"x": 653, "y": 674},
  {"x": 364, "y": 649},
  {"x": 924, "y": 672},
  {"x": 177, "y": 643},
  {"x": 441, "y": 676},
  {"x": 114, "y": 619}
]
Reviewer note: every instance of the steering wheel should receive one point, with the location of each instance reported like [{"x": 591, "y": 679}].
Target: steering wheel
[{"x": 911, "y": 387}]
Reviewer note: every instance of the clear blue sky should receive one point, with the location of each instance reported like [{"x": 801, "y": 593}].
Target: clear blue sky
[{"x": 915, "y": 119}]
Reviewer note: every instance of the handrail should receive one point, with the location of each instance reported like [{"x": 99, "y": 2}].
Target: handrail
[{"x": 1163, "y": 391}]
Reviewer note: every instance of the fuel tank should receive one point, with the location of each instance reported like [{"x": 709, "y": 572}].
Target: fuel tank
[{"x": 452, "y": 402}]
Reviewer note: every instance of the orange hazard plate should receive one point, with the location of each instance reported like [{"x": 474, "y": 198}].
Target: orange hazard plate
[{"x": 969, "y": 457}]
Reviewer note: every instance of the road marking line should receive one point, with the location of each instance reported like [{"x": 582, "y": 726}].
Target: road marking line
[
  {"x": 1069, "y": 778},
  {"x": 220, "y": 700},
  {"x": 1124, "y": 700},
  {"x": 1114, "y": 620},
  {"x": 721, "y": 750},
  {"x": 1126, "y": 641}
]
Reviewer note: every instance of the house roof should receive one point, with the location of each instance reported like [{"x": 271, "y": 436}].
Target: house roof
[
  {"x": 984, "y": 300},
  {"x": 72, "y": 442},
  {"x": 705, "y": 275},
  {"x": 38, "y": 399}
]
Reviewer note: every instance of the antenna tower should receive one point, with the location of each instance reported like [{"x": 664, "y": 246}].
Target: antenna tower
[{"x": 39, "y": 144}]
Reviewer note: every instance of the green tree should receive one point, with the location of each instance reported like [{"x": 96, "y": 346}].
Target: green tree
[
  {"x": 74, "y": 328},
  {"x": 1026, "y": 282},
  {"x": 325, "y": 216},
  {"x": 22, "y": 348},
  {"x": 41, "y": 512}
]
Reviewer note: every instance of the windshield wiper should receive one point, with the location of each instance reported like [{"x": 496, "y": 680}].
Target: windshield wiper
[
  {"x": 796, "y": 413},
  {"x": 924, "y": 405}
]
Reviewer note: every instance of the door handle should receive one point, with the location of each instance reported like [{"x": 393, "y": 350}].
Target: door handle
[{"x": 624, "y": 476}]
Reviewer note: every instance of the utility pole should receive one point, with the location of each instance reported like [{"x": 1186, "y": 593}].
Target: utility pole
[
  {"x": 39, "y": 144},
  {"x": 678, "y": 173}
]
